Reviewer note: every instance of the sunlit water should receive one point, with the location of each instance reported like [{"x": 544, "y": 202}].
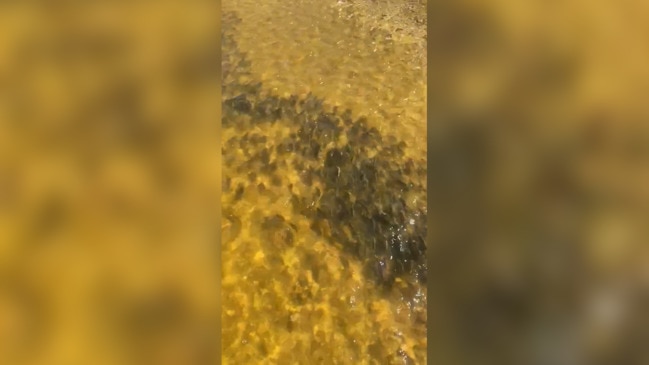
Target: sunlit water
[{"x": 324, "y": 199}]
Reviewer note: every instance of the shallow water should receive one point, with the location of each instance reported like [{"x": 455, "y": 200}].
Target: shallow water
[{"x": 324, "y": 199}]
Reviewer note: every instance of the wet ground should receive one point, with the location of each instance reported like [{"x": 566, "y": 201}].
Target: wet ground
[{"x": 324, "y": 187}]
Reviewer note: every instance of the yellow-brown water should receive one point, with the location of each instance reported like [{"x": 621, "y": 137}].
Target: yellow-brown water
[
  {"x": 108, "y": 185},
  {"x": 293, "y": 294},
  {"x": 325, "y": 48}
]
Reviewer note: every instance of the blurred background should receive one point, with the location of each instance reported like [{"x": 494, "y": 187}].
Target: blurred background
[
  {"x": 538, "y": 182},
  {"x": 109, "y": 182}
]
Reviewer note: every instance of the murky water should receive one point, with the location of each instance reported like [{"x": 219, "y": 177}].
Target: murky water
[{"x": 324, "y": 175}]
